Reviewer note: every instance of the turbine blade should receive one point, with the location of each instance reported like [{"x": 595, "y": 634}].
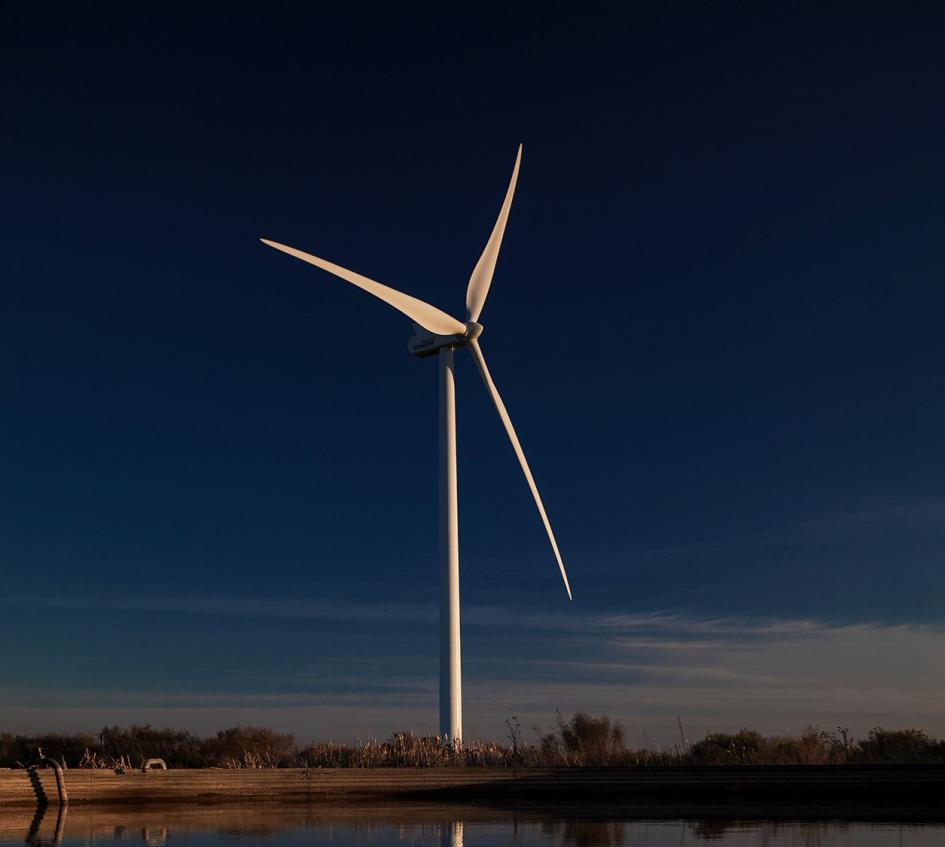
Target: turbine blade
[
  {"x": 429, "y": 317},
  {"x": 506, "y": 421},
  {"x": 481, "y": 277}
]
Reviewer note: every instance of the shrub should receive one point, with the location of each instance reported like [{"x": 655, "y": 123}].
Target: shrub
[
  {"x": 23, "y": 749},
  {"x": 719, "y": 748},
  {"x": 178, "y": 749},
  {"x": 584, "y": 740},
  {"x": 900, "y": 746},
  {"x": 249, "y": 746},
  {"x": 812, "y": 747}
]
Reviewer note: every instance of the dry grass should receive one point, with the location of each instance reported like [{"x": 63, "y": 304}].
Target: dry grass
[{"x": 583, "y": 741}]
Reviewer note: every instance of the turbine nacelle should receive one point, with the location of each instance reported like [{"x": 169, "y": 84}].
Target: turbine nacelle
[{"x": 426, "y": 343}]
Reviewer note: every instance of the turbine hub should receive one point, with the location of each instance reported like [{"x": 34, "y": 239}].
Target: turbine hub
[{"x": 473, "y": 330}]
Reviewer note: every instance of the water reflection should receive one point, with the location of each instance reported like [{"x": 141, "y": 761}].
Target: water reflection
[
  {"x": 32, "y": 834},
  {"x": 455, "y": 826},
  {"x": 451, "y": 834},
  {"x": 591, "y": 833}
]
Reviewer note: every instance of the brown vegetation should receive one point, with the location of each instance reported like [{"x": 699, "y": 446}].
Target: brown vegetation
[{"x": 583, "y": 741}]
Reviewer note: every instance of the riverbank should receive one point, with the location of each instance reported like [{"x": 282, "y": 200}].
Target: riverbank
[{"x": 815, "y": 783}]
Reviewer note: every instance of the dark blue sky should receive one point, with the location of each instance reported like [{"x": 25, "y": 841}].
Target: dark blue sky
[{"x": 716, "y": 321}]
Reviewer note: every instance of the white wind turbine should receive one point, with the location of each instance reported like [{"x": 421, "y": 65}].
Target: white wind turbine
[{"x": 438, "y": 333}]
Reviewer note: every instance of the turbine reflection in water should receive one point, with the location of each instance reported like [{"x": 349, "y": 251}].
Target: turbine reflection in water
[{"x": 451, "y": 834}]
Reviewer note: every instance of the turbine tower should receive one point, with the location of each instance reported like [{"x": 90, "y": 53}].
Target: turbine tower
[{"x": 439, "y": 334}]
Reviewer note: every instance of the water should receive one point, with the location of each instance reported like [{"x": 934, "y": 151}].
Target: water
[{"x": 459, "y": 826}]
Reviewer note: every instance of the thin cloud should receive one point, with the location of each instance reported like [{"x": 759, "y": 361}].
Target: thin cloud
[{"x": 720, "y": 674}]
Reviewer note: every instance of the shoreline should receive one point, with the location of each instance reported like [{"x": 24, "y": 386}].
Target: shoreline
[{"x": 606, "y": 787}]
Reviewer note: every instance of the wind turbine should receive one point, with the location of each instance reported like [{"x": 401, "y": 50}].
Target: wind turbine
[{"x": 440, "y": 334}]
